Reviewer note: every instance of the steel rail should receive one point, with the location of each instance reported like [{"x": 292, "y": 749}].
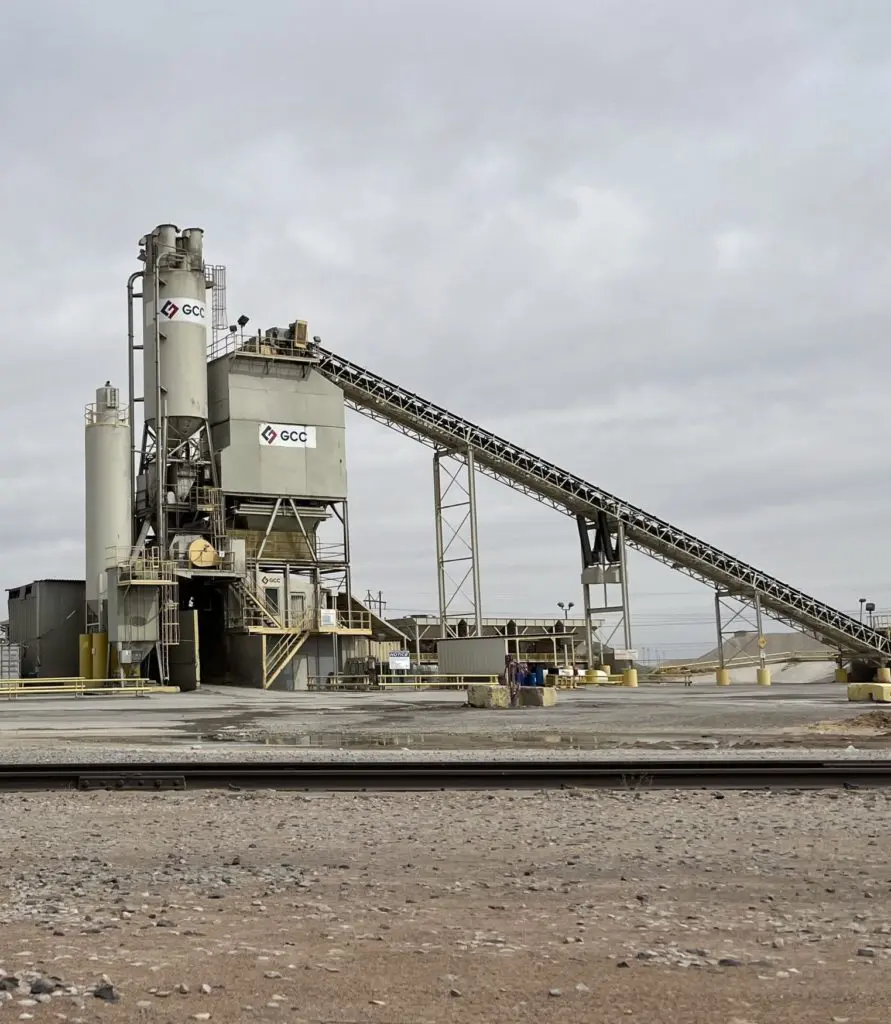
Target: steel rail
[
  {"x": 733, "y": 773},
  {"x": 416, "y": 417}
]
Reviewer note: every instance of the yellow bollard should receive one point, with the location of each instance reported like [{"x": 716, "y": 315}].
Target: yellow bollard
[
  {"x": 841, "y": 675},
  {"x": 629, "y": 677},
  {"x": 763, "y": 676},
  {"x": 883, "y": 674},
  {"x": 85, "y": 656},
  {"x": 608, "y": 669},
  {"x": 722, "y": 677}
]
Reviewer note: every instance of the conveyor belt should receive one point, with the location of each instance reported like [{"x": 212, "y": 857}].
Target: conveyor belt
[{"x": 415, "y": 416}]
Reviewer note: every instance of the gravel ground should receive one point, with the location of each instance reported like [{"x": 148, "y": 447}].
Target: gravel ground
[
  {"x": 744, "y": 908},
  {"x": 24, "y": 751}
]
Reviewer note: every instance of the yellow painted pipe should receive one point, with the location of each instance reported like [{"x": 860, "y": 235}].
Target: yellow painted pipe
[
  {"x": 722, "y": 677},
  {"x": 763, "y": 676},
  {"x": 100, "y": 655},
  {"x": 883, "y": 674},
  {"x": 629, "y": 677},
  {"x": 841, "y": 675},
  {"x": 85, "y": 656}
]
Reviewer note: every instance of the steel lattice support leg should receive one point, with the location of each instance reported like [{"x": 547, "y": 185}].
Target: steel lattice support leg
[
  {"x": 605, "y": 589},
  {"x": 457, "y": 542}
]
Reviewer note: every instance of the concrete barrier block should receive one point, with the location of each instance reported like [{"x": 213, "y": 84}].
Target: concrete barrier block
[
  {"x": 485, "y": 695},
  {"x": 879, "y": 693},
  {"x": 537, "y": 696}
]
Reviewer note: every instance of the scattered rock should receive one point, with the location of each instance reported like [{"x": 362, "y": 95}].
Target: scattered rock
[
  {"x": 582, "y": 987},
  {"x": 866, "y": 951},
  {"x": 42, "y": 987},
  {"x": 455, "y": 993},
  {"x": 107, "y": 993},
  {"x": 555, "y": 993},
  {"x": 206, "y": 989}
]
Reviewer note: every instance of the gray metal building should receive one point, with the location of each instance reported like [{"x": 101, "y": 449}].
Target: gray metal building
[{"x": 45, "y": 619}]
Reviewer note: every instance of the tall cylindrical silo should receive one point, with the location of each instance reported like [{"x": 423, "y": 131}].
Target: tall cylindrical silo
[
  {"x": 174, "y": 267},
  {"x": 108, "y": 508}
]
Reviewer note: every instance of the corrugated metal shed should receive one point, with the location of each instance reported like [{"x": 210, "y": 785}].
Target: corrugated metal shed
[{"x": 45, "y": 619}]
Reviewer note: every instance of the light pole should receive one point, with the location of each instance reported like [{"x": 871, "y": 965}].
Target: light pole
[
  {"x": 566, "y": 608},
  {"x": 862, "y": 603}
]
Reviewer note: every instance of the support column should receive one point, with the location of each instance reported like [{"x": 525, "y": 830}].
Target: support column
[
  {"x": 623, "y": 574},
  {"x": 604, "y": 567},
  {"x": 723, "y": 674},
  {"x": 457, "y": 543},
  {"x": 763, "y": 673}
]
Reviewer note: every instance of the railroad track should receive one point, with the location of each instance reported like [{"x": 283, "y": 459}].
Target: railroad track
[{"x": 437, "y": 775}]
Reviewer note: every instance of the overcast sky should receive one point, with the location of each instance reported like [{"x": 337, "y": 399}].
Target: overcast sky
[{"x": 647, "y": 240}]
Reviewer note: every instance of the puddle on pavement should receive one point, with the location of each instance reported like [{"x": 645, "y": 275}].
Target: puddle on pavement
[{"x": 525, "y": 741}]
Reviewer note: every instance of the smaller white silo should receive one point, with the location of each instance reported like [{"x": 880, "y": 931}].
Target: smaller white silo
[{"x": 108, "y": 511}]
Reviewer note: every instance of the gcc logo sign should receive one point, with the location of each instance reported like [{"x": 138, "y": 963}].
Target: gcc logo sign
[
  {"x": 183, "y": 311},
  {"x": 286, "y": 435}
]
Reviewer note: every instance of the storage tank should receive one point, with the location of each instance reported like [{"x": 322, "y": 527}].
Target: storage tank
[
  {"x": 108, "y": 508},
  {"x": 174, "y": 260}
]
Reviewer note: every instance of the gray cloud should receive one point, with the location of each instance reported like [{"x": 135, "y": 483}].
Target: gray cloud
[{"x": 647, "y": 241}]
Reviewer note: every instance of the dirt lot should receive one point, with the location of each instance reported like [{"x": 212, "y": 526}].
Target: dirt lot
[{"x": 402, "y": 909}]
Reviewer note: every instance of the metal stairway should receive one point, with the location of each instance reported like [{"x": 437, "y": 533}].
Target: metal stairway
[{"x": 387, "y": 403}]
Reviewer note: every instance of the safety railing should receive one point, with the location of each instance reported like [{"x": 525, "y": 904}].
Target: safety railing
[
  {"x": 398, "y": 682},
  {"x": 92, "y": 415},
  {"x": 146, "y": 568},
  {"x": 75, "y": 687},
  {"x": 740, "y": 661},
  {"x": 333, "y": 620}
]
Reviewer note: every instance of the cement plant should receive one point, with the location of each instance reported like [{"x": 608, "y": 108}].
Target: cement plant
[{"x": 217, "y": 540}]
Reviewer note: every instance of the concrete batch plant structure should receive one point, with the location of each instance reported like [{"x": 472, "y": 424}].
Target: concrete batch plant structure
[
  {"x": 222, "y": 551},
  {"x": 217, "y": 528}
]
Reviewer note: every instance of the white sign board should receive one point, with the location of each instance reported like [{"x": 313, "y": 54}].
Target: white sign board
[
  {"x": 624, "y": 654},
  {"x": 286, "y": 435},
  {"x": 400, "y": 661},
  {"x": 328, "y": 617},
  {"x": 182, "y": 310}
]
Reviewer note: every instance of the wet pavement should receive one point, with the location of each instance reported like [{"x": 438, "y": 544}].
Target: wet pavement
[{"x": 699, "y": 717}]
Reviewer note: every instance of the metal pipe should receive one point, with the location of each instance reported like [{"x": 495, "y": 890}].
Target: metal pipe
[
  {"x": 346, "y": 555},
  {"x": 474, "y": 546},
  {"x": 160, "y": 433},
  {"x": 131, "y": 387},
  {"x": 440, "y": 552}
]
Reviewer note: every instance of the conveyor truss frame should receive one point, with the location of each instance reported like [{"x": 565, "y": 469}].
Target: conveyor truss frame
[{"x": 395, "y": 407}]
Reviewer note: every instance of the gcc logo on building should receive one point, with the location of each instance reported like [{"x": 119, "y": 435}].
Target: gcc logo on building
[
  {"x": 285, "y": 435},
  {"x": 183, "y": 310}
]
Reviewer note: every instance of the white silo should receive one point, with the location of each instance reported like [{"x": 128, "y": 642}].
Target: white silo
[
  {"x": 108, "y": 522},
  {"x": 174, "y": 271}
]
